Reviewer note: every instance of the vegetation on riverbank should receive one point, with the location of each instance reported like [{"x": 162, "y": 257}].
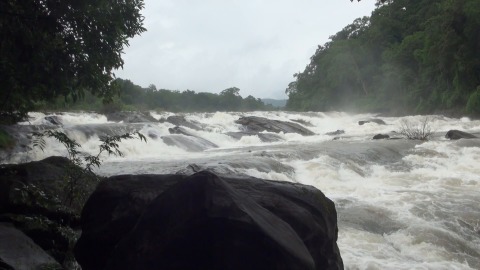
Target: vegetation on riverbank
[
  {"x": 132, "y": 97},
  {"x": 6, "y": 141},
  {"x": 408, "y": 57}
]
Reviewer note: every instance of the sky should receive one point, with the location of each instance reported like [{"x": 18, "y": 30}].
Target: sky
[{"x": 212, "y": 45}]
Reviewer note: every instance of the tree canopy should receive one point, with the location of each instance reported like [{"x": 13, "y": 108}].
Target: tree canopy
[
  {"x": 134, "y": 97},
  {"x": 50, "y": 48},
  {"x": 409, "y": 56}
]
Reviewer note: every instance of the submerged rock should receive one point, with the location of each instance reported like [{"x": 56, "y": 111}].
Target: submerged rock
[
  {"x": 337, "y": 132},
  {"x": 381, "y": 136},
  {"x": 376, "y": 121},
  {"x": 179, "y": 120},
  {"x": 131, "y": 117},
  {"x": 205, "y": 221},
  {"x": 264, "y": 137},
  {"x": 259, "y": 124},
  {"x": 53, "y": 119},
  {"x": 457, "y": 134},
  {"x": 188, "y": 143}
]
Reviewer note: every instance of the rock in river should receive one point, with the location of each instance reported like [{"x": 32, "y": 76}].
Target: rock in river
[
  {"x": 259, "y": 124},
  {"x": 205, "y": 221}
]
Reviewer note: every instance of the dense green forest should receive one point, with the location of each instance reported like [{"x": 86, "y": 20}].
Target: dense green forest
[
  {"x": 133, "y": 97},
  {"x": 410, "y": 56},
  {"x": 51, "y": 48}
]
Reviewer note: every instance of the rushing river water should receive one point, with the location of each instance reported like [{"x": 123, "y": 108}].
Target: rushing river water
[{"x": 402, "y": 204}]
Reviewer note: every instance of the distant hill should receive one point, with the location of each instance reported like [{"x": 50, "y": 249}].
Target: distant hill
[{"x": 275, "y": 102}]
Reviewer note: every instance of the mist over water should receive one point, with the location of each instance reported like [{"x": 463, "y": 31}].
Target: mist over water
[{"x": 401, "y": 204}]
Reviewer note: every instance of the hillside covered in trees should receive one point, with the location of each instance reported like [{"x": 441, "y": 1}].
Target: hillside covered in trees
[
  {"x": 410, "y": 56},
  {"x": 130, "y": 96}
]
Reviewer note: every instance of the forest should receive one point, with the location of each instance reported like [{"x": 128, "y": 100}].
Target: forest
[
  {"x": 409, "y": 56},
  {"x": 131, "y": 97}
]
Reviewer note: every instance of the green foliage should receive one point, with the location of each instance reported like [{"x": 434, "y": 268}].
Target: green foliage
[
  {"x": 473, "y": 104},
  {"x": 132, "y": 97},
  {"x": 80, "y": 171},
  {"x": 65, "y": 48},
  {"x": 409, "y": 56},
  {"x": 6, "y": 141}
]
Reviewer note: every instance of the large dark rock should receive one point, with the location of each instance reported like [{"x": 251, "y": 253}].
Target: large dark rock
[
  {"x": 179, "y": 120},
  {"x": 112, "y": 211},
  {"x": 457, "y": 134},
  {"x": 179, "y": 130},
  {"x": 207, "y": 222},
  {"x": 381, "y": 136},
  {"x": 376, "y": 121},
  {"x": 31, "y": 199},
  {"x": 259, "y": 124},
  {"x": 130, "y": 117},
  {"x": 19, "y": 252}
]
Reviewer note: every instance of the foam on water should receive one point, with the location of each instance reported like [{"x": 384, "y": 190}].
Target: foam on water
[{"x": 432, "y": 209}]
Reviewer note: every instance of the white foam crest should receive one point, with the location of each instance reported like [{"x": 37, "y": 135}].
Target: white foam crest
[
  {"x": 159, "y": 115},
  {"x": 82, "y": 118},
  {"x": 267, "y": 175},
  {"x": 218, "y": 122},
  {"x": 400, "y": 250},
  {"x": 441, "y": 188},
  {"x": 34, "y": 118}
]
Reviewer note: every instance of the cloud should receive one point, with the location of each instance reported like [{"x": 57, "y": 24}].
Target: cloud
[{"x": 211, "y": 45}]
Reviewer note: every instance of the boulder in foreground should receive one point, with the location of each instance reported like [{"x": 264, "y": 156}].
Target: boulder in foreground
[{"x": 205, "y": 221}]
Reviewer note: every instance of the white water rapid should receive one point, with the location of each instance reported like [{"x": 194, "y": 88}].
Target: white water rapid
[{"x": 401, "y": 204}]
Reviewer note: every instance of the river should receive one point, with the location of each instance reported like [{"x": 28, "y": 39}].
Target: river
[{"x": 402, "y": 204}]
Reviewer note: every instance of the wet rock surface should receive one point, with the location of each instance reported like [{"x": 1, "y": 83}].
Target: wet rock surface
[
  {"x": 205, "y": 221},
  {"x": 457, "y": 134},
  {"x": 259, "y": 124},
  {"x": 130, "y": 117},
  {"x": 180, "y": 120}
]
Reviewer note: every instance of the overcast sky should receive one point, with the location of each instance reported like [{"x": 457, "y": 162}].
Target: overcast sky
[{"x": 211, "y": 45}]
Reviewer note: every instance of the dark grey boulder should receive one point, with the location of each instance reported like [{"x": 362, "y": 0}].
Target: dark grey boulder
[
  {"x": 32, "y": 199},
  {"x": 53, "y": 119},
  {"x": 337, "y": 132},
  {"x": 179, "y": 120},
  {"x": 188, "y": 141},
  {"x": 381, "y": 136},
  {"x": 207, "y": 222},
  {"x": 180, "y": 130},
  {"x": 376, "y": 121},
  {"x": 19, "y": 252},
  {"x": 457, "y": 134},
  {"x": 259, "y": 124},
  {"x": 130, "y": 117},
  {"x": 264, "y": 137}
]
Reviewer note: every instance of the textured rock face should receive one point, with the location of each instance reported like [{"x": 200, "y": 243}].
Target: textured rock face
[
  {"x": 457, "y": 134},
  {"x": 205, "y": 221},
  {"x": 381, "y": 136},
  {"x": 179, "y": 120},
  {"x": 259, "y": 124},
  {"x": 264, "y": 137},
  {"x": 130, "y": 117},
  {"x": 19, "y": 252},
  {"x": 376, "y": 121},
  {"x": 29, "y": 201}
]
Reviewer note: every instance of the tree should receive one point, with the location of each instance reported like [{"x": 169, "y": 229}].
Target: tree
[{"x": 50, "y": 48}]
